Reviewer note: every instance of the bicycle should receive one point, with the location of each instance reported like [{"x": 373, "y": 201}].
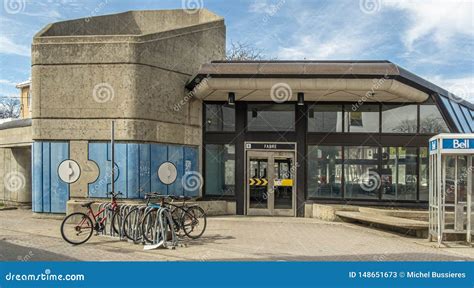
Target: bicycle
[
  {"x": 192, "y": 220},
  {"x": 132, "y": 221},
  {"x": 81, "y": 225}
]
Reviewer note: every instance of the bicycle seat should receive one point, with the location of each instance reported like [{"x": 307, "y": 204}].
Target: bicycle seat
[{"x": 88, "y": 204}]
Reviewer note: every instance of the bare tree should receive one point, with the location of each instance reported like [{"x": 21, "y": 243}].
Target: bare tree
[
  {"x": 240, "y": 51},
  {"x": 9, "y": 107}
]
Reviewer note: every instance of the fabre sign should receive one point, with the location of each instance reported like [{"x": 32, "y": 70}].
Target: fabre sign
[
  {"x": 270, "y": 146},
  {"x": 452, "y": 144}
]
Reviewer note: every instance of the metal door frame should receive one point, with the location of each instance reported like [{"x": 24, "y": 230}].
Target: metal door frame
[{"x": 270, "y": 155}]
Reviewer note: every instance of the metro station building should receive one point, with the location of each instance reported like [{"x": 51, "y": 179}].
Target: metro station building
[{"x": 246, "y": 137}]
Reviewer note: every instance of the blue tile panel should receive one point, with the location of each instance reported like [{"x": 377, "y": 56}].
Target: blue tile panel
[
  {"x": 461, "y": 115},
  {"x": 137, "y": 168},
  {"x": 50, "y": 193}
]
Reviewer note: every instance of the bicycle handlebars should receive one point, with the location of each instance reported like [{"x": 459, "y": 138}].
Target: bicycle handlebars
[{"x": 157, "y": 195}]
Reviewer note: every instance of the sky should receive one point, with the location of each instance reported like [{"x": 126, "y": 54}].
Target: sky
[{"x": 433, "y": 39}]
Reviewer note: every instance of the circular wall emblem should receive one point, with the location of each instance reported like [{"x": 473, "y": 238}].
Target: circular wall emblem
[
  {"x": 69, "y": 171},
  {"x": 167, "y": 173}
]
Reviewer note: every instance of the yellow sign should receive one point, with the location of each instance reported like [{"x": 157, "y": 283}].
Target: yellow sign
[
  {"x": 258, "y": 182},
  {"x": 283, "y": 182}
]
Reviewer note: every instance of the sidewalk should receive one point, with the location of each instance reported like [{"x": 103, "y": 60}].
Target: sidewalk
[{"x": 231, "y": 238}]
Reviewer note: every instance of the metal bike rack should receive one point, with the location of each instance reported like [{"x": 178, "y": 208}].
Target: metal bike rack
[
  {"x": 451, "y": 200},
  {"x": 161, "y": 222}
]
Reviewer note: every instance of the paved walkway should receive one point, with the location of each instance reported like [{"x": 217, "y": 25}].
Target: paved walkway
[{"x": 24, "y": 236}]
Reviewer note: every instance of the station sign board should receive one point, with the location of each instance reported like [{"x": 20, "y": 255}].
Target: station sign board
[{"x": 270, "y": 146}]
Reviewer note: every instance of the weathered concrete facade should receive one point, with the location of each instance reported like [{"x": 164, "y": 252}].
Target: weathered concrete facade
[
  {"x": 130, "y": 67},
  {"x": 15, "y": 169},
  {"x": 89, "y": 71}
]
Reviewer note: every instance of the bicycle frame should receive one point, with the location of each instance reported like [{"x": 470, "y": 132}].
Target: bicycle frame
[{"x": 94, "y": 217}]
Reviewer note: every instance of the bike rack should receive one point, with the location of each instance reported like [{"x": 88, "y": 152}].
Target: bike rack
[{"x": 163, "y": 223}]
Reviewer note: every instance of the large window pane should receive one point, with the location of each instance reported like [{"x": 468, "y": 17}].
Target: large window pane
[
  {"x": 220, "y": 117},
  {"x": 431, "y": 120},
  {"x": 361, "y": 172},
  {"x": 270, "y": 117},
  {"x": 398, "y": 173},
  {"x": 424, "y": 174},
  {"x": 324, "y": 171},
  {"x": 220, "y": 170},
  {"x": 363, "y": 118},
  {"x": 325, "y": 118},
  {"x": 399, "y": 119}
]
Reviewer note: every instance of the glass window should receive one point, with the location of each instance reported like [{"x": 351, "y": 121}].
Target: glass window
[
  {"x": 431, "y": 120},
  {"x": 220, "y": 170},
  {"x": 325, "y": 118},
  {"x": 424, "y": 174},
  {"x": 399, "y": 119},
  {"x": 220, "y": 117},
  {"x": 270, "y": 117},
  {"x": 324, "y": 171},
  {"x": 364, "y": 118},
  {"x": 398, "y": 173},
  {"x": 361, "y": 172}
]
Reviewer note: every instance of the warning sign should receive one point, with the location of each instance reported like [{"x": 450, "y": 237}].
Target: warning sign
[{"x": 258, "y": 182}]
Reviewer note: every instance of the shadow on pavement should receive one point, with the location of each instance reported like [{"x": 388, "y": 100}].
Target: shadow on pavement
[{"x": 13, "y": 252}]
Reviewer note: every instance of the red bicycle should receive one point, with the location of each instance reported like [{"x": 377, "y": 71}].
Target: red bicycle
[{"x": 77, "y": 227}]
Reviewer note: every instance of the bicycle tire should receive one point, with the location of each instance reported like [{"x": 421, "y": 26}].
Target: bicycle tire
[
  {"x": 117, "y": 222},
  {"x": 83, "y": 217},
  {"x": 127, "y": 221},
  {"x": 192, "y": 216},
  {"x": 144, "y": 227}
]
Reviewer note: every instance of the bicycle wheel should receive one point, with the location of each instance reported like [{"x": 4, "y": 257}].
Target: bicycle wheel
[
  {"x": 177, "y": 215},
  {"x": 131, "y": 225},
  {"x": 77, "y": 228},
  {"x": 194, "y": 222},
  {"x": 149, "y": 225},
  {"x": 117, "y": 222}
]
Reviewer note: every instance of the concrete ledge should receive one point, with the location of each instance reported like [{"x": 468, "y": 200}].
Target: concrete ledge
[
  {"x": 397, "y": 224},
  {"x": 326, "y": 212},
  {"x": 384, "y": 220}
]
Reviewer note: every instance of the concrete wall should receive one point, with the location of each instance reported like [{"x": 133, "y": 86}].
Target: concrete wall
[
  {"x": 15, "y": 137},
  {"x": 137, "y": 79},
  {"x": 130, "y": 67},
  {"x": 15, "y": 176},
  {"x": 24, "y": 102}
]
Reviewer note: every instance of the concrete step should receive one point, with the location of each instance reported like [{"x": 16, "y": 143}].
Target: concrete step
[
  {"x": 420, "y": 215},
  {"x": 402, "y": 225},
  {"x": 384, "y": 220}
]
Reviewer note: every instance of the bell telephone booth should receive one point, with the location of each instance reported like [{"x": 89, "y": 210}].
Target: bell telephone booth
[{"x": 451, "y": 187}]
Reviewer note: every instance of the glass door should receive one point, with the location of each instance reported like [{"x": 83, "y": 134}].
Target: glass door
[{"x": 270, "y": 183}]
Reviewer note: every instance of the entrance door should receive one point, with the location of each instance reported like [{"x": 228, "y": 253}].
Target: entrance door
[{"x": 270, "y": 183}]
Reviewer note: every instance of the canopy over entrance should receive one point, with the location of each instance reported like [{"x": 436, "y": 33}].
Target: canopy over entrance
[{"x": 372, "y": 81}]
